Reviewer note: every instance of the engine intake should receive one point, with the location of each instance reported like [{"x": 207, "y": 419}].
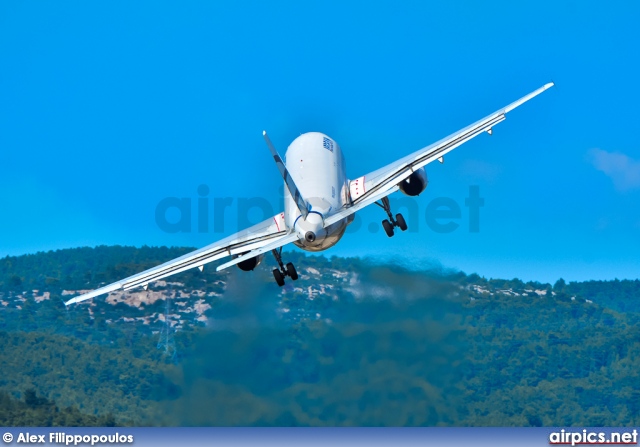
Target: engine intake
[
  {"x": 249, "y": 264},
  {"x": 415, "y": 183}
]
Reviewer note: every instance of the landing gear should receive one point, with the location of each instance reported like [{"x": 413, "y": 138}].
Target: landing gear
[
  {"x": 291, "y": 271},
  {"x": 388, "y": 224},
  {"x": 400, "y": 222},
  {"x": 283, "y": 271},
  {"x": 388, "y": 227},
  {"x": 277, "y": 274}
]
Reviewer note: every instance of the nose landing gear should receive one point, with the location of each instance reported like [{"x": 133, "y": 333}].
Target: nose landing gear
[
  {"x": 288, "y": 270},
  {"x": 389, "y": 224}
]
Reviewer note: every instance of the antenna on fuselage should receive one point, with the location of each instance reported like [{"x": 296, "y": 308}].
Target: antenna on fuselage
[{"x": 293, "y": 189}]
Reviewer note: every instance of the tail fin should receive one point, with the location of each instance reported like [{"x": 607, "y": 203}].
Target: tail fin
[{"x": 293, "y": 189}]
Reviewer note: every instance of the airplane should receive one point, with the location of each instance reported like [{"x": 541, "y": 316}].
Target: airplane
[{"x": 319, "y": 203}]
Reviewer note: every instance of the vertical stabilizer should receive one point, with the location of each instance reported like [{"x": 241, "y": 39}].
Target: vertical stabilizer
[{"x": 293, "y": 189}]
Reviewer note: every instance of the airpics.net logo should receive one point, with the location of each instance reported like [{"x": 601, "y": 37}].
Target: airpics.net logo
[
  {"x": 206, "y": 214},
  {"x": 590, "y": 437}
]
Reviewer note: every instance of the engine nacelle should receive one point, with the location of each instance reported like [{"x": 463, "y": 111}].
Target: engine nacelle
[
  {"x": 415, "y": 183},
  {"x": 249, "y": 264}
]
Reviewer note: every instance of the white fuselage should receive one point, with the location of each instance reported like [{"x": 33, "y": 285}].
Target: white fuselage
[{"x": 316, "y": 165}]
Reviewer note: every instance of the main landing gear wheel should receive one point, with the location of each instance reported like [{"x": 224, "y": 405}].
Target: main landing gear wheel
[
  {"x": 388, "y": 227},
  {"x": 280, "y": 273},
  {"x": 400, "y": 222},
  {"x": 291, "y": 271},
  {"x": 388, "y": 224},
  {"x": 279, "y": 277}
]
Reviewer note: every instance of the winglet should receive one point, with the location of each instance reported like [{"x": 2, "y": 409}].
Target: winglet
[
  {"x": 293, "y": 189},
  {"x": 524, "y": 99}
]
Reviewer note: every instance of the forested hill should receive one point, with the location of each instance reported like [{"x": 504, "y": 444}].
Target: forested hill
[
  {"x": 86, "y": 268},
  {"x": 36, "y": 411},
  {"x": 351, "y": 342}
]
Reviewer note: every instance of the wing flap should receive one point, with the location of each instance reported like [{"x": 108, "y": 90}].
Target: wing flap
[
  {"x": 179, "y": 266},
  {"x": 382, "y": 182},
  {"x": 277, "y": 243},
  {"x": 346, "y": 212},
  {"x": 403, "y": 168},
  {"x": 252, "y": 238}
]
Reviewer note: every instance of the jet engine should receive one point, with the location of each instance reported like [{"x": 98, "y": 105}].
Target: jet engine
[
  {"x": 415, "y": 183},
  {"x": 249, "y": 264}
]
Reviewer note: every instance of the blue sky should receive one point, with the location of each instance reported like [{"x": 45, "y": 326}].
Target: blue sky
[{"x": 106, "y": 108}]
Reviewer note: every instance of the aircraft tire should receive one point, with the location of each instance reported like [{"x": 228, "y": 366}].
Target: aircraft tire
[
  {"x": 388, "y": 228},
  {"x": 401, "y": 222},
  {"x": 291, "y": 271},
  {"x": 277, "y": 274}
]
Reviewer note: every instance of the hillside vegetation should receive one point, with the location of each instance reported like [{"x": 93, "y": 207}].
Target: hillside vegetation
[{"x": 351, "y": 342}]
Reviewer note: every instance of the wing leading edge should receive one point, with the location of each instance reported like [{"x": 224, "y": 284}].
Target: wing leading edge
[
  {"x": 268, "y": 233},
  {"x": 384, "y": 181}
]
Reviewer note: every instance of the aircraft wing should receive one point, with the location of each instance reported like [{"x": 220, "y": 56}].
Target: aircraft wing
[
  {"x": 269, "y": 233},
  {"x": 384, "y": 181}
]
